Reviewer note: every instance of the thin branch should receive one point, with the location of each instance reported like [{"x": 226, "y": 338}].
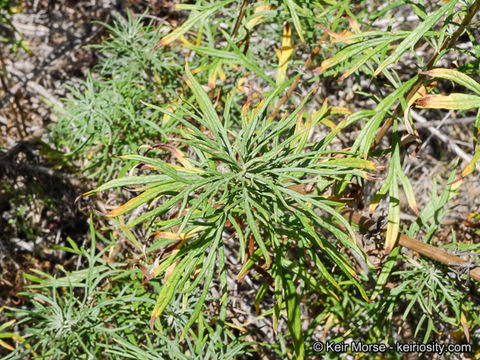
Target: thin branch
[{"x": 422, "y": 248}]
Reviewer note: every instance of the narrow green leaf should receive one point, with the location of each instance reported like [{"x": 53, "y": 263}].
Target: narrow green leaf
[
  {"x": 357, "y": 48},
  {"x": 351, "y": 162},
  {"x": 296, "y": 21},
  {"x": 385, "y": 273},
  {"x": 416, "y": 35},
  {"x": 294, "y": 320},
  {"x": 209, "y": 111},
  {"x": 255, "y": 231},
  {"x": 247, "y": 62},
  {"x": 207, "y": 272},
  {"x": 168, "y": 288},
  {"x": 194, "y": 19},
  {"x": 408, "y": 190},
  {"x": 367, "y": 135}
]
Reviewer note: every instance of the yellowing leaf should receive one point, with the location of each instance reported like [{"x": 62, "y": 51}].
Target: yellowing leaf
[
  {"x": 135, "y": 202},
  {"x": 464, "y": 322},
  {"x": 408, "y": 190},
  {"x": 172, "y": 267},
  {"x": 215, "y": 72},
  {"x": 298, "y": 125},
  {"x": 353, "y": 163},
  {"x": 284, "y": 54},
  {"x": 340, "y": 110},
  {"x": 258, "y": 9},
  {"x": 421, "y": 92},
  {"x": 240, "y": 85},
  {"x": 184, "y": 40},
  {"x": 254, "y": 112},
  {"x": 455, "y": 76},
  {"x": 393, "y": 227},
  {"x": 469, "y": 168},
  {"x": 455, "y": 101},
  {"x": 168, "y": 235},
  {"x": 353, "y": 24},
  {"x": 6, "y": 345},
  {"x": 180, "y": 156},
  {"x": 167, "y": 117}
]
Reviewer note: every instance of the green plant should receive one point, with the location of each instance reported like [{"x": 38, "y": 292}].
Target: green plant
[
  {"x": 99, "y": 312},
  {"x": 248, "y": 177},
  {"x": 247, "y": 149},
  {"x": 103, "y": 117}
]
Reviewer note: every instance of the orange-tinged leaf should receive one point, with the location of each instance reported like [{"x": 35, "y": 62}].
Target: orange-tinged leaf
[
  {"x": 339, "y": 37},
  {"x": 353, "y": 24},
  {"x": 212, "y": 78},
  {"x": 153, "y": 318},
  {"x": 6, "y": 345}
]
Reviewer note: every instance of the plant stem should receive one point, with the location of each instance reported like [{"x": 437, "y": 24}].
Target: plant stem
[{"x": 427, "y": 250}]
